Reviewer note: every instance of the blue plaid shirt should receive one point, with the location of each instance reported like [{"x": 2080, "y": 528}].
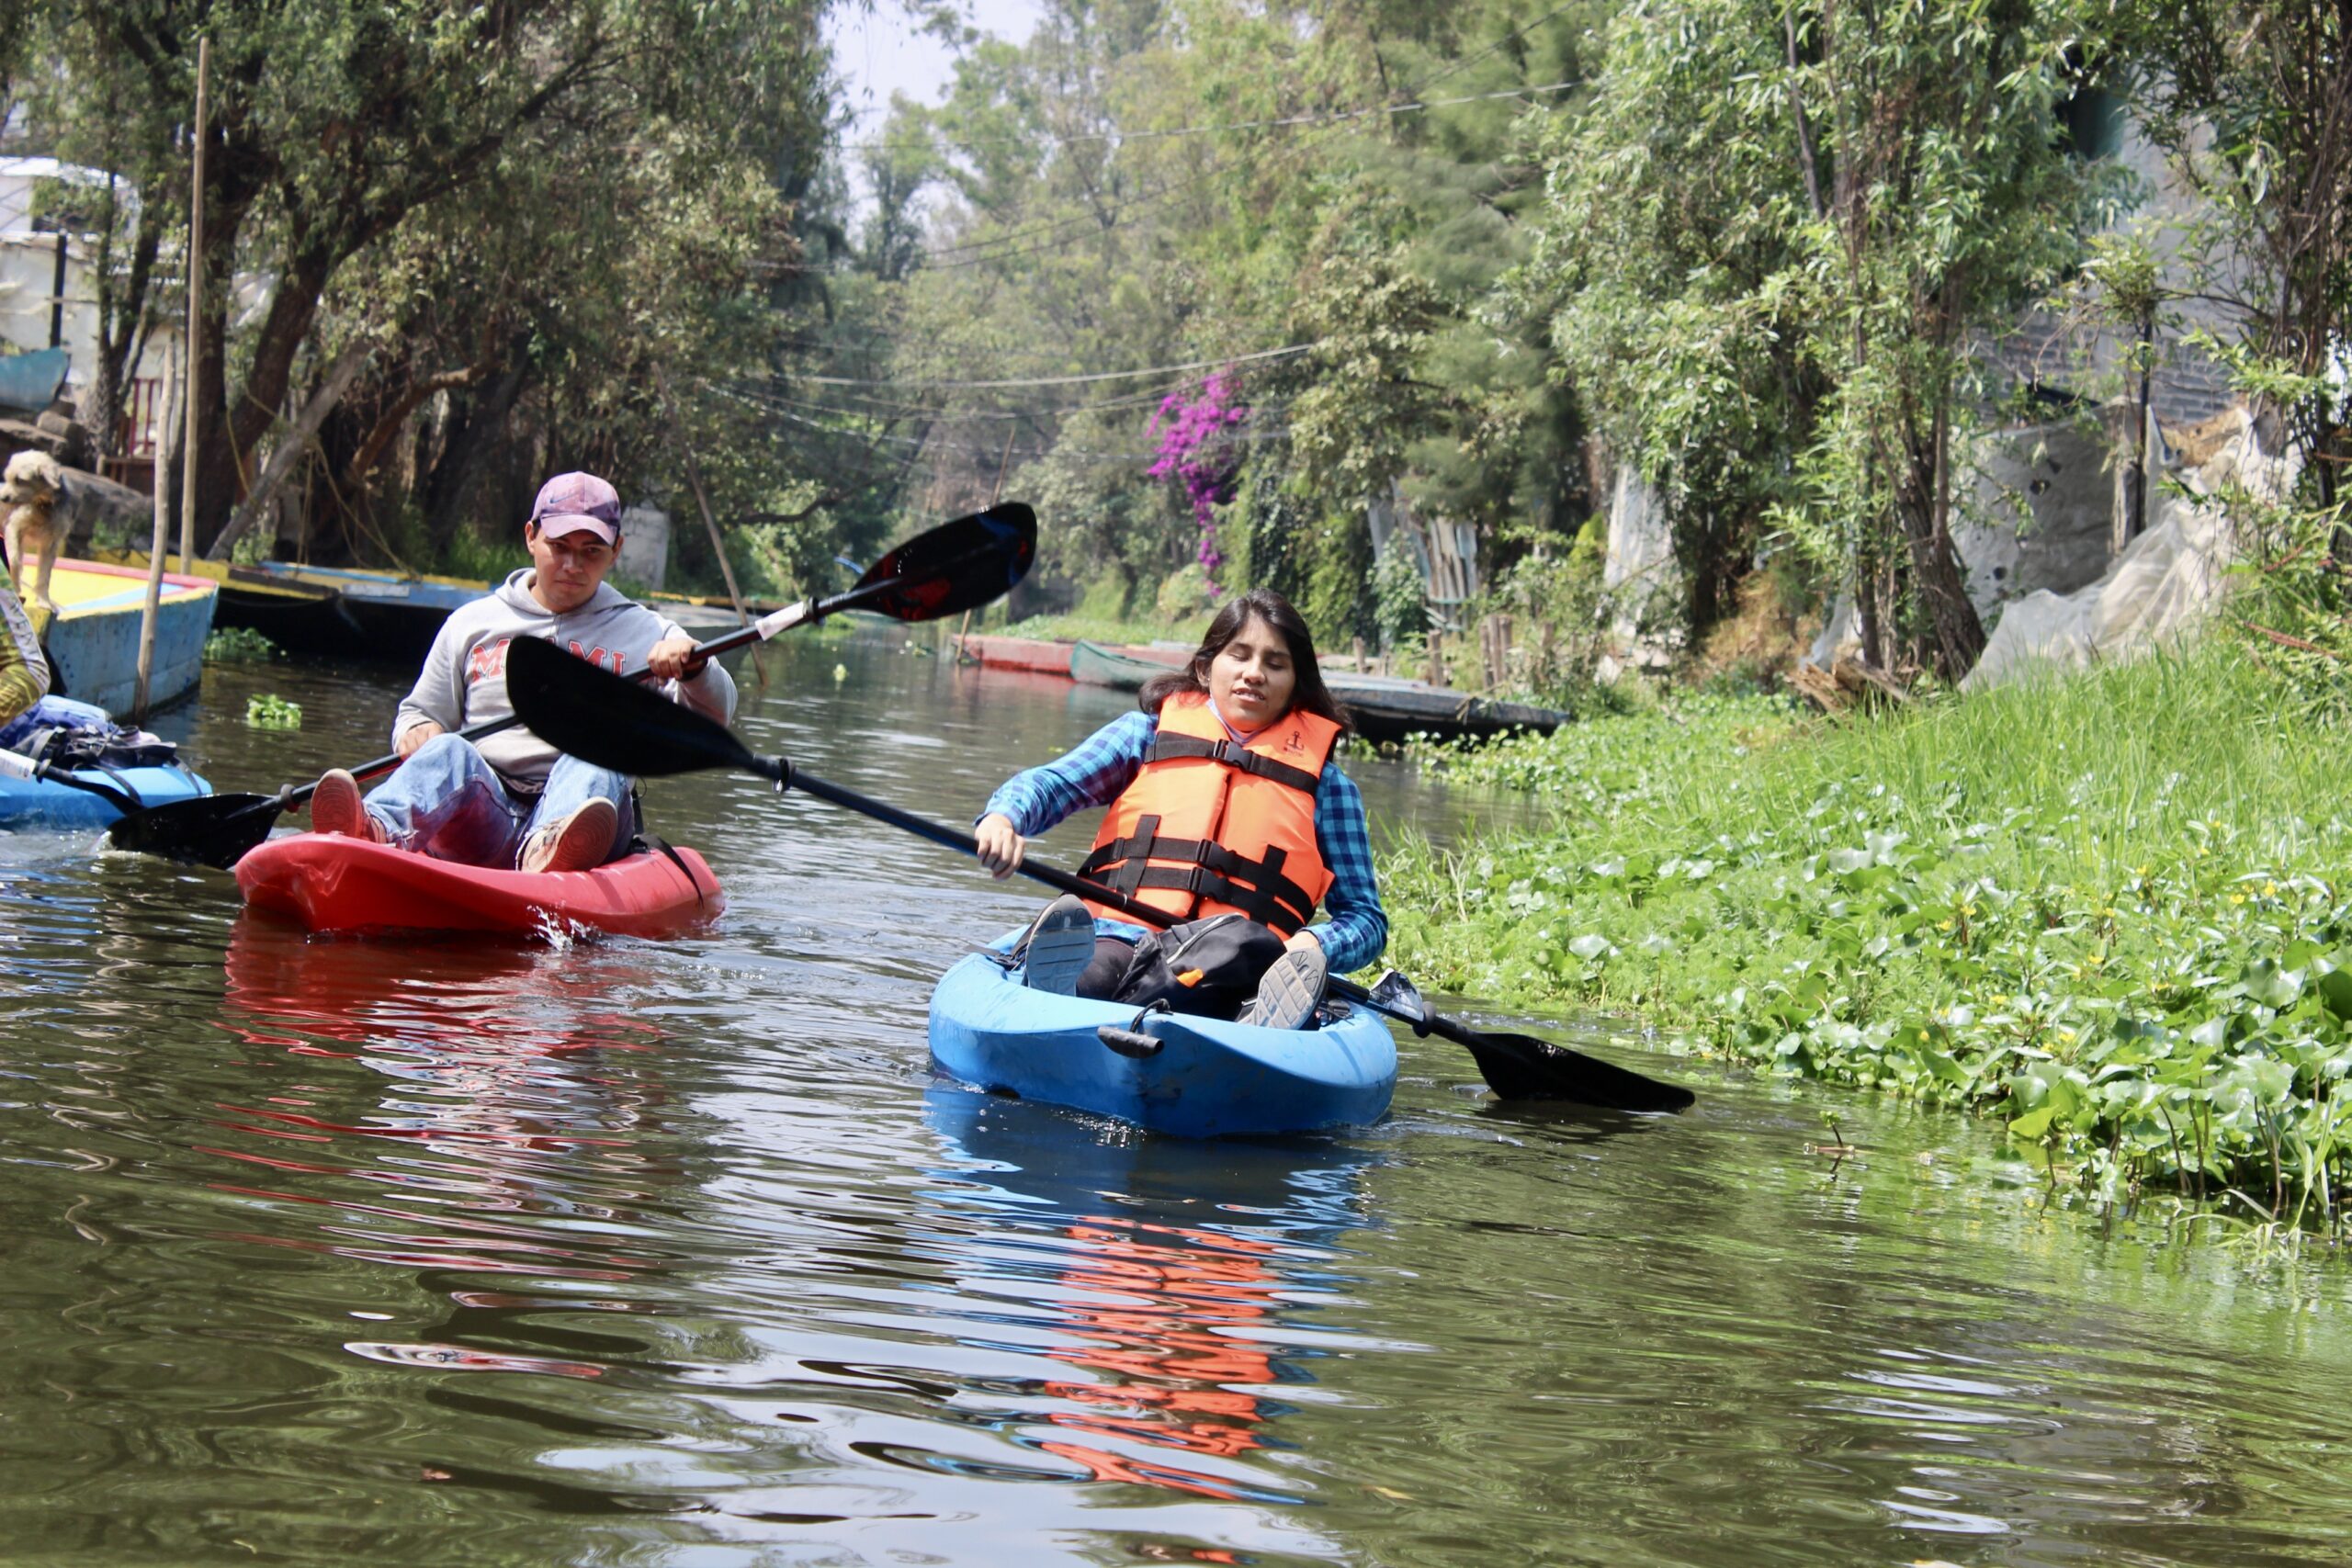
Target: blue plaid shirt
[{"x": 1099, "y": 768}]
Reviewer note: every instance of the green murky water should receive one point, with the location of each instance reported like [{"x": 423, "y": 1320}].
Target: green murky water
[{"x": 623, "y": 1253}]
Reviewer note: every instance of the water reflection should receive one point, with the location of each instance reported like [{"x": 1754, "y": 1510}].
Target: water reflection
[
  {"x": 1186, "y": 1281},
  {"x": 499, "y": 1112}
]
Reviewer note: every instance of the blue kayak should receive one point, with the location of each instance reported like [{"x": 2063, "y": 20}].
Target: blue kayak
[
  {"x": 1203, "y": 1078},
  {"x": 46, "y": 802}
]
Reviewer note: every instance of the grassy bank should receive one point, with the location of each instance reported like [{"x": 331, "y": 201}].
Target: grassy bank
[{"x": 2114, "y": 911}]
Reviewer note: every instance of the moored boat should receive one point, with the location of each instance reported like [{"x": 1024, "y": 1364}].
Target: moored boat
[
  {"x": 1200, "y": 1077},
  {"x": 1121, "y": 668},
  {"x": 92, "y": 639},
  {"x": 1385, "y": 707},
  {"x": 1032, "y": 654},
  {"x": 330, "y": 883}
]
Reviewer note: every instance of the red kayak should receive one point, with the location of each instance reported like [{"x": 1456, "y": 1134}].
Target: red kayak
[{"x": 331, "y": 883}]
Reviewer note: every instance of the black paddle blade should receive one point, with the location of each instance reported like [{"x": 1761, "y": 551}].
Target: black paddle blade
[
  {"x": 959, "y": 565},
  {"x": 1520, "y": 1066},
  {"x": 584, "y": 712},
  {"x": 212, "y": 829}
]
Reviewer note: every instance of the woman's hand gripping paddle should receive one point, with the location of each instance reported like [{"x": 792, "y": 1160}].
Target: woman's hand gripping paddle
[
  {"x": 958, "y": 566},
  {"x": 603, "y": 719}
]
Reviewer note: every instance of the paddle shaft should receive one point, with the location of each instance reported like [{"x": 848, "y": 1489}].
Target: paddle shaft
[{"x": 789, "y": 777}]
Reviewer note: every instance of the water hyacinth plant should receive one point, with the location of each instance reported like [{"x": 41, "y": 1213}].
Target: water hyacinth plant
[
  {"x": 1197, "y": 450},
  {"x": 2113, "y": 912}
]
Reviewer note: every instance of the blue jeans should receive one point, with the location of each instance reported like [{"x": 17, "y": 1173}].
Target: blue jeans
[{"x": 446, "y": 802}]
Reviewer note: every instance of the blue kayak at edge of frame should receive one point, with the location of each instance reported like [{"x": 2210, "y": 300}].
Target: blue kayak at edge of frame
[
  {"x": 44, "y": 803},
  {"x": 1209, "y": 1078}
]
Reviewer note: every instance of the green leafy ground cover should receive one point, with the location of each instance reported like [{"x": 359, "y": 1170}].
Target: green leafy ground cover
[{"x": 2114, "y": 911}]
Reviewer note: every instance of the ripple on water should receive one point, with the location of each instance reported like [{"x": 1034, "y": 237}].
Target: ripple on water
[{"x": 609, "y": 1251}]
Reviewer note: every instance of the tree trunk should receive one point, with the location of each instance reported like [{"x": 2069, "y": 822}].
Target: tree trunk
[
  {"x": 291, "y": 444},
  {"x": 1958, "y": 635},
  {"x": 451, "y": 487}
]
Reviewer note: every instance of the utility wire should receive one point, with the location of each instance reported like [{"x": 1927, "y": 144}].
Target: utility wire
[
  {"x": 1063, "y": 380},
  {"x": 1332, "y": 118}
]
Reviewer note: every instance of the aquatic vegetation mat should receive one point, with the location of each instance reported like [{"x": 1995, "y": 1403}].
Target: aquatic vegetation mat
[{"x": 2111, "y": 912}]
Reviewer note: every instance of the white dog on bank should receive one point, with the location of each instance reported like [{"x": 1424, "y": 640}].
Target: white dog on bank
[{"x": 31, "y": 488}]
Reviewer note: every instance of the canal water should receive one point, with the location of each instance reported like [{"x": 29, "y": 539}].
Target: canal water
[{"x": 618, "y": 1253}]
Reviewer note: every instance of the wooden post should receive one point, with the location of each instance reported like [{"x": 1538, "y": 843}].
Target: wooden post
[
  {"x": 1360, "y": 664},
  {"x": 995, "y": 490},
  {"x": 1436, "y": 672},
  {"x": 195, "y": 307},
  {"x": 161, "y": 542},
  {"x": 702, "y": 500}
]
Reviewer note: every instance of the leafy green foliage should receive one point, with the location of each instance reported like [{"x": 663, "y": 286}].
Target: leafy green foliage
[
  {"x": 236, "y": 645},
  {"x": 2128, "y": 940},
  {"x": 268, "y": 710}
]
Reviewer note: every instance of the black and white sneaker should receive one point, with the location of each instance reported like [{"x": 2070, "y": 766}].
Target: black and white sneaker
[
  {"x": 1059, "y": 946},
  {"x": 1289, "y": 992}
]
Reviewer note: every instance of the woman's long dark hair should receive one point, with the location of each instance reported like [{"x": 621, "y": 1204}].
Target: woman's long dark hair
[{"x": 1271, "y": 607}]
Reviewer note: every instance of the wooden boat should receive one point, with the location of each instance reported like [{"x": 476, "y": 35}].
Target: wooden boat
[
  {"x": 1386, "y": 708},
  {"x": 312, "y": 614},
  {"x": 92, "y": 639},
  {"x": 1032, "y": 654},
  {"x": 369, "y": 615},
  {"x": 1121, "y": 668}
]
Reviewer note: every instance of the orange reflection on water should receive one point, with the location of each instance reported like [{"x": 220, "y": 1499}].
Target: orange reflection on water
[{"x": 1171, "y": 1371}]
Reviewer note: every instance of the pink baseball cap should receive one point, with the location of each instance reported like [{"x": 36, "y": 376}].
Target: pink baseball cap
[{"x": 570, "y": 502}]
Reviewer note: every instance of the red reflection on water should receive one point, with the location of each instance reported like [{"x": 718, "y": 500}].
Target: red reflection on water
[
  {"x": 1171, "y": 1368},
  {"x": 472, "y": 1087},
  {"x": 380, "y": 993}
]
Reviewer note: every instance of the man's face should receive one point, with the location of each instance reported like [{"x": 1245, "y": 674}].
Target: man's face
[{"x": 570, "y": 566}]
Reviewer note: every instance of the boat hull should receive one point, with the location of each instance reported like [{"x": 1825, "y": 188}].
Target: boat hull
[
  {"x": 332, "y": 883},
  {"x": 1208, "y": 1078},
  {"x": 92, "y": 639}
]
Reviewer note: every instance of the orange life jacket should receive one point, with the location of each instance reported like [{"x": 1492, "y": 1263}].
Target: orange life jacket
[{"x": 1211, "y": 827}]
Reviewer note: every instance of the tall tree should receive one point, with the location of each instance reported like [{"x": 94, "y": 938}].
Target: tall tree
[
  {"x": 333, "y": 122},
  {"x": 1772, "y": 241}
]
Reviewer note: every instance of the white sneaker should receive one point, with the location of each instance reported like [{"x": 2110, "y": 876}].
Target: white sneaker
[
  {"x": 1289, "y": 991},
  {"x": 1060, "y": 946},
  {"x": 581, "y": 842}
]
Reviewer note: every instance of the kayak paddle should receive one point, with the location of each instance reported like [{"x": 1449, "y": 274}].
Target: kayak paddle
[
  {"x": 601, "y": 718},
  {"x": 958, "y": 566}
]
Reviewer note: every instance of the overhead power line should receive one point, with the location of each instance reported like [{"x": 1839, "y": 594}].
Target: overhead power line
[
  {"x": 1332, "y": 116},
  {"x": 1060, "y": 380}
]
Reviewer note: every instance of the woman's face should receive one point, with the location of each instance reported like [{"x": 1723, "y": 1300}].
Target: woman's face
[{"x": 1251, "y": 678}]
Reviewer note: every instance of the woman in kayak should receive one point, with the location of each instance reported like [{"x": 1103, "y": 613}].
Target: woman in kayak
[{"x": 1224, "y": 801}]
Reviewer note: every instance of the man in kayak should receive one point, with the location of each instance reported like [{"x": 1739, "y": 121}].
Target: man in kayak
[
  {"x": 1224, "y": 801},
  {"x": 515, "y": 800}
]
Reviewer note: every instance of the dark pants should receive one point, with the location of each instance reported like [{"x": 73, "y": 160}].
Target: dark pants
[{"x": 1209, "y": 968}]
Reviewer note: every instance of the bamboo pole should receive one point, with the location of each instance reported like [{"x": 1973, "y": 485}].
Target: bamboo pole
[
  {"x": 162, "y": 540},
  {"x": 709, "y": 521},
  {"x": 195, "y": 307},
  {"x": 995, "y": 490}
]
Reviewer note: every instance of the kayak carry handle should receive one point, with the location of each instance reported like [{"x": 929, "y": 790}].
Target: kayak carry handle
[
  {"x": 1132, "y": 1040},
  {"x": 1129, "y": 1042}
]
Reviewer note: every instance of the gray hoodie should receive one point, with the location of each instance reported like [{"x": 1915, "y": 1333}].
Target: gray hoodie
[{"x": 464, "y": 678}]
